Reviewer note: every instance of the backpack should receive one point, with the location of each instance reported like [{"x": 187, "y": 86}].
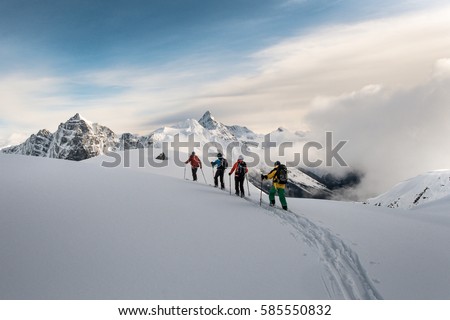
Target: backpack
[
  {"x": 195, "y": 161},
  {"x": 281, "y": 174},
  {"x": 223, "y": 164},
  {"x": 162, "y": 156},
  {"x": 240, "y": 171}
]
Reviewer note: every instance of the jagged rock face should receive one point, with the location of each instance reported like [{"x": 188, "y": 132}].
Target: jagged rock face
[
  {"x": 39, "y": 144},
  {"x": 208, "y": 122},
  {"x": 36, "y": 145},
  {"x": 76, "y": 139},
  {"x": 132, "y": 141}
]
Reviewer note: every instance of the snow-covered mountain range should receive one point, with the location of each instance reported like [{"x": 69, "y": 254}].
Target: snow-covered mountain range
[
  {"x": 414, "y": 192},
  {"x": 80, "y": 139}
]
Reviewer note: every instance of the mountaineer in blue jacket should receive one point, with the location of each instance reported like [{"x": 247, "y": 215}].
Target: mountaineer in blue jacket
[{"x": 221, "y": 164}]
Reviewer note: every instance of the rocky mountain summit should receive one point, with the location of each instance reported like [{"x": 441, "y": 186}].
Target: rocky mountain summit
[{"x": 76, "y": 139}]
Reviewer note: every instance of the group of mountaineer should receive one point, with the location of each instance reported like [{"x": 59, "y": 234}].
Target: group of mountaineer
[{"x": 278, "y": 175}]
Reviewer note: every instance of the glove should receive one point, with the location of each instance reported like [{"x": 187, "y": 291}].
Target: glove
[
  {"x": 229, "y": 173},
  {"x": 263, "y": 176},
  {"x": 212, "y": 162}
]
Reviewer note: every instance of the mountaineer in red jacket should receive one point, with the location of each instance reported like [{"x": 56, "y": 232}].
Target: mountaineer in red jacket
[
  {"x": 239, "y": 177},
  {"x": 195, "y": 164}
]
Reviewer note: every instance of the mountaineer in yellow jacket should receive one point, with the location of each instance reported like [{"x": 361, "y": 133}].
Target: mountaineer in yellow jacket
[{"x": 279, "y": 176}]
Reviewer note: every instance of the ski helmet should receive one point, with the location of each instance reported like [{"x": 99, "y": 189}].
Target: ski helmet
[
  {"x": 193, "y": 152},
  {"x": 277, "y": 163},
  {"x": 219, "y": 155},
  {"x": 241, "y": 157}
]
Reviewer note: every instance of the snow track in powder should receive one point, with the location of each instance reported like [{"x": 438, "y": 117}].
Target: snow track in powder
[{"x": 345, "y": 277}]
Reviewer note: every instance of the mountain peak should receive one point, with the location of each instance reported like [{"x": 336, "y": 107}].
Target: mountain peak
[
  {"x": 78, "y": 117},
  {"x": 44, "y": 133},
  {"x": 208, "y": 121},
  {"x": 207, "y": 115}
]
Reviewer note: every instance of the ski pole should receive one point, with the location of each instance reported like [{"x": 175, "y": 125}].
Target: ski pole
[
  {"x": 184, "y": 172},
  {"x": 260, "y": 194},
  {"x": 229, "y": 176},
  {"x": 203, "y": 176},
  {"x": 248, "y": 187}
]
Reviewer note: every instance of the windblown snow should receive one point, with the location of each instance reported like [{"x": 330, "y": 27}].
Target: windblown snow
[{"x": 77, "y": 230}]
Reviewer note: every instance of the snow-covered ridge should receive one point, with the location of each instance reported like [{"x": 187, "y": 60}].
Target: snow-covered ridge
[
  {"x": 177, "y": 252},
  {"x": 425, "y": 188},
  {"x": 172, "y": 245}
]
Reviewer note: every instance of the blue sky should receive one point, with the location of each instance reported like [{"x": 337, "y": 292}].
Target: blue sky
[
  {"x": 71, "y": 36},
  {"x": 135, "y": 65}
]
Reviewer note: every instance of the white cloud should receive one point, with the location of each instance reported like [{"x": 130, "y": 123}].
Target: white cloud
[
  {"x": 124, "y": 100},
  {"x": 442, "y": 69},
  {"x": 393, "y": 134},
  {"x": 26, "y": 103},
  {"x": 279, "y": 84},
  {"x": 397, "y": 53},
  {"x": 13, "y": 139}
]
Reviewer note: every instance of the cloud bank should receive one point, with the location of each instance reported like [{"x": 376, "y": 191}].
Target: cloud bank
[{"x": 393, "y": 135}]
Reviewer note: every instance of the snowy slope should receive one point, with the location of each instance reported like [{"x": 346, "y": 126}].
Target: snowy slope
[
  {"x": 417, "y": 191},
  {"x": 405, "y": 252},
  {"x": 76, "y": 230}
]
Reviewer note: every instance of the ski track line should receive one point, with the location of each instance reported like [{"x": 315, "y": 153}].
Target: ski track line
[{"x": 345, "y": 276}]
